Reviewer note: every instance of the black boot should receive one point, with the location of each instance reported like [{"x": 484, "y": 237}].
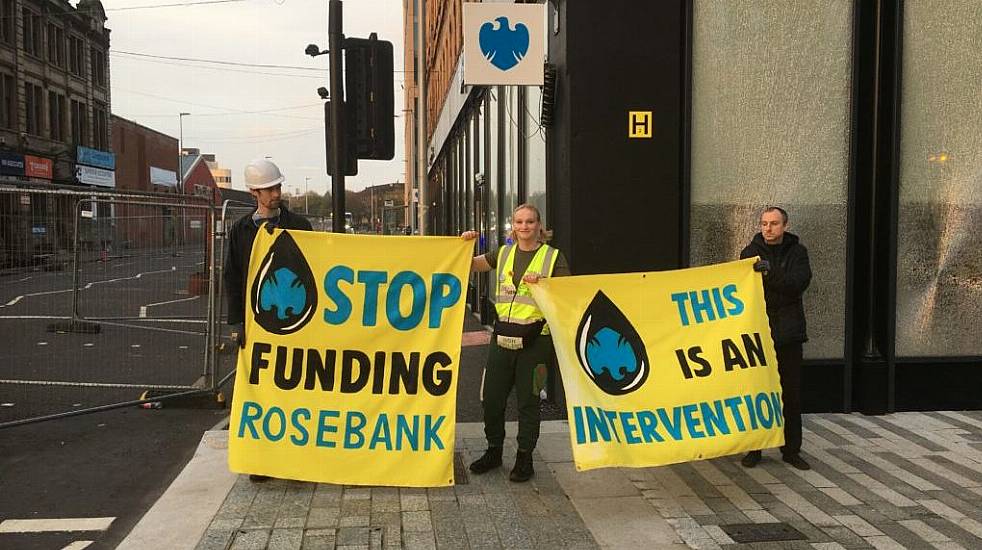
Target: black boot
[
  {"x": 751, "y": 459},
  {"x": 796, "y": 461},
  {"x": 488, "y": 462},
  {"x": 523, "y": 467}
]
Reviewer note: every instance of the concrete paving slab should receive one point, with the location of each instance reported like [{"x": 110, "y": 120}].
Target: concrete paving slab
[
  {"x": 604, "y": 482},
  {"x": 626, "y": 522}
]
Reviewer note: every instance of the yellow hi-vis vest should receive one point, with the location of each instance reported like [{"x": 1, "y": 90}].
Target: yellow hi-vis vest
[{"x": 516, "y": 305}]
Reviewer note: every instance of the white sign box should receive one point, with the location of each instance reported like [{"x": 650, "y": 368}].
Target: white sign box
[
  {"x": 504, "y": 44},
  {"x": 91, "y": 175}
]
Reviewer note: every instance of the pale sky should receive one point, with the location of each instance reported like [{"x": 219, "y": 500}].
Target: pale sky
[{"x": 153, "y": 92}]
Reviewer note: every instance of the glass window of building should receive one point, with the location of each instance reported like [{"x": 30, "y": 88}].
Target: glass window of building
[
  {"x": 509, "y": 189},
  {"x": 474, "y": 131},
  {"x": 8, "y": 100},
  {"x": 493, "y": 174},
  {"x": 535, "y": 151},
  {"x": 939, "y": 261},
  {"x": 770, "y": 126}
]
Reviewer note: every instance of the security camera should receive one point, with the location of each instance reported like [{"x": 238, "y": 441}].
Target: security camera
[
  {"x": 313, "y": 50},
  {"x": 479, "y": 178},
  {"x": 323, "y": 93}
]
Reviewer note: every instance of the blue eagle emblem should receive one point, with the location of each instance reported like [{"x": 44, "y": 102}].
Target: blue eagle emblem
[
  {"x": 504, "y": 47},
  {"x": 283, "y": 293}
]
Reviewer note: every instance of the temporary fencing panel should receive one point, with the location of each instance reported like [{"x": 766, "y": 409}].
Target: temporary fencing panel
[{"x": 103, "y": 296}]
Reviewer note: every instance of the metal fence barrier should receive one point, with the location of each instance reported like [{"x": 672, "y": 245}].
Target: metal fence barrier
[
  {"x": 112, "y": 299},
  {"x": 104, "y": 295}
]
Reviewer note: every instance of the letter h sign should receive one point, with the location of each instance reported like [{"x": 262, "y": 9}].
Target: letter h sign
[{"x": 639, "y": 124}]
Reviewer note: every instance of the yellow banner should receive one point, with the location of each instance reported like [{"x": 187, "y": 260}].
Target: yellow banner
[
  {"x": 665, "y": 367},
  {"x": 349, "y": 373}
]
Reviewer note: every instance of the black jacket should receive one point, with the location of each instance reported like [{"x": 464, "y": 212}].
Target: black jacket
[
  {"x": 240, "y": 239},
  {"x": 789, "y": 276}
]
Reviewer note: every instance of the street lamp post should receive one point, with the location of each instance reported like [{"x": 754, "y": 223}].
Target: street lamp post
[{"x": 180, "y": 150}]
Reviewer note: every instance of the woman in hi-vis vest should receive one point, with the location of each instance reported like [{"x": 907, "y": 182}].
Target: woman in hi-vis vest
[{"x": 521, "y": 347}]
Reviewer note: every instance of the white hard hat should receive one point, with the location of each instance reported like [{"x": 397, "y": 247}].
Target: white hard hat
[{"x": 262, "y": 174}]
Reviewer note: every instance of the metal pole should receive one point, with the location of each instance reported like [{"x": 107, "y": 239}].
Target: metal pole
[
  {"x": 306, "y": 201},
  {"x": 335, "y": 40},
  {"x": 75, "y": 263},
  {"x": 422, "y": 176}
]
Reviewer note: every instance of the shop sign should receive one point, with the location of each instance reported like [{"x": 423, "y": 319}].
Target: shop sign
[
  {"x": 159, "y": 176},
  {"x": 388, "y": 202},
  {"x": 95, "y": 176},
  {"x": 97, "y": 158},
  {"x": 37, "y": 167},
  {"x": 11, "y": 164},
  {"x": 504, "y": 43}
]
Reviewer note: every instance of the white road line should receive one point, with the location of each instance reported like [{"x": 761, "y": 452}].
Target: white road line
[
  {"x": 78, "y": 545},
  {"x": 88, "y": 286},
  {"x": 58, "y": 525},
  {"x": 143, "y": 309},
  {"x": 66, "y": 317}
]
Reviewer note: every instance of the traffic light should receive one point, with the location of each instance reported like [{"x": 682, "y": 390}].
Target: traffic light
[
  {"x": 351, "y": 164},
  {"x": 368, "y": 97}
]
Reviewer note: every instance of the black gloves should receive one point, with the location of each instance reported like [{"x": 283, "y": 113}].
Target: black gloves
[
  {"x": 238, "y": 334},
  {"x": 762, "y": 266}
]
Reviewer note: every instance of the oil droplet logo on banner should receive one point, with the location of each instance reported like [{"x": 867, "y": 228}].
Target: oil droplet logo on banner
[
  {"x": 609, "y": 349},
  {"x": 284, "y": 293}
]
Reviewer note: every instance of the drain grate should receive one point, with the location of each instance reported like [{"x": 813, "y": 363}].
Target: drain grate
[
  {"x": 761, "y": 532},
  {"x": 459, "y": 470}
]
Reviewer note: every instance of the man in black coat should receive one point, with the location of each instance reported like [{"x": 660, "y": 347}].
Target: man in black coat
[
  {"x": 264, "y": 180},
  {"x": 787, "y": 273}
]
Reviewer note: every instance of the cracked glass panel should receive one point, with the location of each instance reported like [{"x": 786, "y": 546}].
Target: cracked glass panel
[
  {"x": 771, "y": 87},
  {"x": 939, "y": 260}
]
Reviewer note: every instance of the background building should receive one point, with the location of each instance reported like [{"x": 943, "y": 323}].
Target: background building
[
  {"x": 54, "y": 80},
  {"x": 222, "y": 176},
  {"x": 197, "y": 178},
  {"x": 54, "y": 100},
  {"x": 862, "y": 119}
]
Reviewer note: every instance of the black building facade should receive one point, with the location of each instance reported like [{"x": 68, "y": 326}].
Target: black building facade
[{"x": 861, "y": 118}]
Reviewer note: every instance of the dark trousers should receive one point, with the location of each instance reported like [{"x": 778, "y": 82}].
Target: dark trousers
[
  {"x": 789, "y": 367},
  {"x": 525, "y": 370}
]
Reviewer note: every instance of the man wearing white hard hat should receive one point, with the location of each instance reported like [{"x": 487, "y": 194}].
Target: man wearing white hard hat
[{"x": 264, "y": 180}]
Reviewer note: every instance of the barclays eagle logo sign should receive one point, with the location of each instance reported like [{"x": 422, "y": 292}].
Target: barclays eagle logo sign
[{"x": 504, "y": 47}]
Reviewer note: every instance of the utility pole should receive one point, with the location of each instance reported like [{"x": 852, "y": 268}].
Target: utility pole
[
  {"x": 335, "y": 40},
  {"x": 421, "y": 175},
  {"x": 306, "y": 204}
]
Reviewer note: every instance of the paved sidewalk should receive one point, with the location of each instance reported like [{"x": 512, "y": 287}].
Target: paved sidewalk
[{"x": 906, "y": 480}]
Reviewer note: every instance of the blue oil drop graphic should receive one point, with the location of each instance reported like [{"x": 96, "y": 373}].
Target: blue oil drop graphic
[
  {"x": 284, "y": 294},
  {"x": 609, "y": 349}
]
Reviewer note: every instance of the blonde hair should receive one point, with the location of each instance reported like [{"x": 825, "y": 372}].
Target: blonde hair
[{"x": 543, "y": 236}]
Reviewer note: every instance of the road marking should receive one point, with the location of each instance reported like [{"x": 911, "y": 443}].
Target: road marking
[
  {"x": 88, "y": 344},
  {"x": 88, "y": 286},
  {"x": 143, "y": 309},
  {"x": 78, "y": 545},
  {"x": 100, "y": 320},
  {"x": 134, "y": 345},
  {"x": 48, "y": 525},
  {"x": 42, "y": 343}
]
